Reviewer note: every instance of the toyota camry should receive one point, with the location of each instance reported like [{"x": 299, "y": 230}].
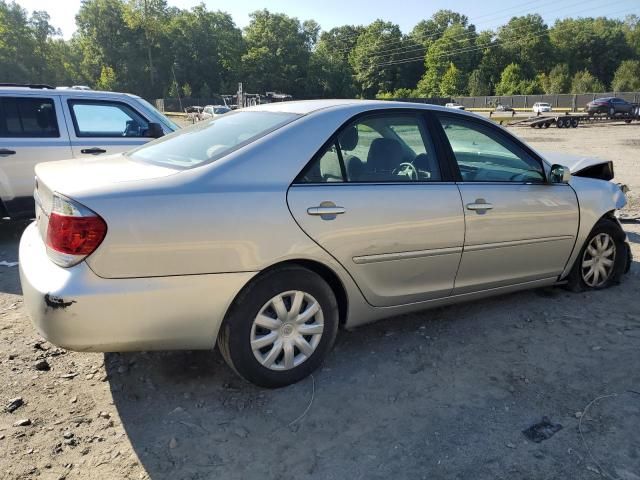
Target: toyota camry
[{"x": 266, "y": 229}]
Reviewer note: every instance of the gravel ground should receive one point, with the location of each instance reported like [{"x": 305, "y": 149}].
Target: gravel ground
[{"x": 445, "y": 393}]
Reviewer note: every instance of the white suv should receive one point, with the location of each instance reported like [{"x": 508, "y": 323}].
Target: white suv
[
  {"x": 39, "y": 123},
  {"x": 541, "y": 107}
]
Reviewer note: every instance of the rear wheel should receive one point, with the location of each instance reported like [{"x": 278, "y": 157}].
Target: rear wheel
[
  {"x": 602, "y": 259},
  {"x": 280, "y": 327}
]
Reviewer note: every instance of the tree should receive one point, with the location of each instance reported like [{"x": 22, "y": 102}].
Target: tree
[
  {"x": 525, "y": 40},
  {"x": 478, "y": 84},
  {"x": 557, "y": 81},
  {"x": 372, "y": 59},
  {"x": 514, "y": 82},
  {"x": 277, "y": 53},
  {"x": 585, "y": 82},
  {"x": 107, "y": 80},
  {"x": 453, "y": 82},
  {"x": 186, "y": 90},
  {"x": 627, "y": 77},
  {"x": 594, "y": 44},
  {"x": 455, "y": 46}
]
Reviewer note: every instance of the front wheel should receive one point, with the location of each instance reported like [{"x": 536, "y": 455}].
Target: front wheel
[
  {"x": 280, "y": 327},
  {"x": 602, "y": 260}
]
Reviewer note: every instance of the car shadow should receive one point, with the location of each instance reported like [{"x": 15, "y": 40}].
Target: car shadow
[
  {"x": 466, "y": 378},
  {"x": 10, "y": 232}
]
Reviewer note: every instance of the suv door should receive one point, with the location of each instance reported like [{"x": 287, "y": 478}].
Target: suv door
[
  {"x": 104, "y": 126},
  {"x": 376, "y": 198},
  {"x": 32, "y": 130},
  {"x": 519, "y": 227}
]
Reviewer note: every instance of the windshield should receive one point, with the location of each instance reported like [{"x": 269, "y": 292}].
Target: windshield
[
  {"x": 210, "y": 140},
  {"x": 160, "y": 116}
]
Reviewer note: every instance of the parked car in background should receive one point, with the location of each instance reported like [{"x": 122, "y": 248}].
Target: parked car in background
[
  {"x": 609, "y": 106},
  {"x": 266, "y": 228},
  {"x": 503, "y": 108},
  {"x": 41, "y": 123},
  {"x": 455, "y": 106},
  {"x": 541, "y": 107},
  {"x": 212, "y": 111}
]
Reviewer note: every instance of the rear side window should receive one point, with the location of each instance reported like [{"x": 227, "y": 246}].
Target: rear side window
[
  {"x": 211, "y": 140},
  {"x": 28, "y": 117},
  {"x": 106, "y": 119}
]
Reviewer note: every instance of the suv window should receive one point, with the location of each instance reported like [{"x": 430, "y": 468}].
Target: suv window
[
  {"x": 484, "y": 155},
  {"x": 28, "y": 117},
  {"x": 382, "y": 148},
  {"x": 96, "y": 118}
]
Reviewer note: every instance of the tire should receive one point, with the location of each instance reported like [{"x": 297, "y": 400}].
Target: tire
[
  {"x": 546, "y": 125},
  {"x": 560, "y": 123},
  {"x": 574, "y": 123},
  {"x": 579, "y": 279},
  {"x": 268, "y": 366}
]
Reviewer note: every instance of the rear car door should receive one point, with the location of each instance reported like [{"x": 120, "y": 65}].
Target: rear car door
[
  {"x": 519, "y": 227},
  {"x": 104, "y": 126},
  {"x": 32, "y": 130},
  {"x": 377, "y": 198}
]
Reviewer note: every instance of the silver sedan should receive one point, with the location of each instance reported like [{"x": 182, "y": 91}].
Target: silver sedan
[{"x": 266, "y": 229}]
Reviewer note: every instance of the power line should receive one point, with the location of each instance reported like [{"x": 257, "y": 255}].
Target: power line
[{"x": 468, "y": 49}]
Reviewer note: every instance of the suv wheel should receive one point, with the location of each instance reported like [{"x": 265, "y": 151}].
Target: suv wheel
[{"x": 280, "y": 327}]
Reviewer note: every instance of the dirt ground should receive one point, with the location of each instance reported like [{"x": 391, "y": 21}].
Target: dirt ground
[{"x": 445, "y": 393}]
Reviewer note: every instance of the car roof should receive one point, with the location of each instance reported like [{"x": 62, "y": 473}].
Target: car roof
[
  {"x": 305, "y": 107},
  {"x": 60, "y": 91}
]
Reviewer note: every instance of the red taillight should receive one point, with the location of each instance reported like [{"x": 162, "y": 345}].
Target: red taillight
[
  {"x": 75, "y": 235},
  {"x": 73, "y": 232}
]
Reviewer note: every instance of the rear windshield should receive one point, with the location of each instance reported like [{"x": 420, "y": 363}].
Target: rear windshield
[{"x": 210, "y": 140}]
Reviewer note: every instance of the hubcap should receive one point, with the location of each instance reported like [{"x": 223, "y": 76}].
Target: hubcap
[
  {"x": 287, "y": 330},
  {"x": 598, "y": 260}
]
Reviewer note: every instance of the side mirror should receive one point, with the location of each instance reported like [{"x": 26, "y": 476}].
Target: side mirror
[
  {"x": 559, "y": 174},
  {"x": 154, "y": 130}
]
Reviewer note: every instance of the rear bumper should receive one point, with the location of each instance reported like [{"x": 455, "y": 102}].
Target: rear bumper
[{"x": 76, "y": 309}]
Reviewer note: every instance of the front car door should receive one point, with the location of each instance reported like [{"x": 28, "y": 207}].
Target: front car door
[
  {"x": 104, "y": 126},
  {"x": 519, "y": 227},
  {"x": 376, "y": 198},
  {"x": 32, "y": 130}
]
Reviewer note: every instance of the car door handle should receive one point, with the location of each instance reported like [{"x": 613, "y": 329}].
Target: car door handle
[
  {"x": 322, "y": 211},
  {"x": 93, "y": 150},
  {"x": 479, "y": 205},
  {"x": 6, "y": 151}
]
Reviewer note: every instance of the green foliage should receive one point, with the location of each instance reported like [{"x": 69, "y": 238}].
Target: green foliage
[
  {"x": 585, "y": 82},
  {"x": 452, "y": 83},
  {"x": 186, "y": 90},
  {"x": 557, "y": 81},
  {"x": 594, "y": 44},
  {"x": 627, "y": 77},
  {"x": 398, "y": 93},
  {"x": 525, "y": 41},
  {"x": 478, "y": 84},
  {"x": 138, "y": 45},
  {"x": 372, "y": 60},
  {"x": 107, "y": 80}
]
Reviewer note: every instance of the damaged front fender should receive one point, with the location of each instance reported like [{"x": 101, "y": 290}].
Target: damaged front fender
[{"x": 55, "y": 303}]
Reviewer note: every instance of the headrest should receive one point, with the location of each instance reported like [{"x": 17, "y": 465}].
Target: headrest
[
  {"x": 385, "y": 154},
  {"x": 348, "y": 139}
]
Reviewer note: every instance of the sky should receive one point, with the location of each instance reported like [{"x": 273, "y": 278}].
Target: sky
[{"x": 485, "y": 14}]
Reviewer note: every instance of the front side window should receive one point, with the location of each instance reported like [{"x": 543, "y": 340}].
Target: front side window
[
  {"x": 483, "y": 155},
  {"x": 382, "y": 148},
  {"x": 210, "y": 140},
  {"x": 106, "y": 119},
  {"x": 28, "y": 117}
]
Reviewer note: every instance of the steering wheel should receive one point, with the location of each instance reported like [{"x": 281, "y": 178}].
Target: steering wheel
[{"x": 406, "y": 168}]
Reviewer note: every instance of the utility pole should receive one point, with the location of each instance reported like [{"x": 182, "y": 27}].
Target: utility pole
[{"x": 175, "y": 82}]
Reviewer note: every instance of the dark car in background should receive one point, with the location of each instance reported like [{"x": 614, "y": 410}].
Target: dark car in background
[{"x": 610, "y": 106}]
